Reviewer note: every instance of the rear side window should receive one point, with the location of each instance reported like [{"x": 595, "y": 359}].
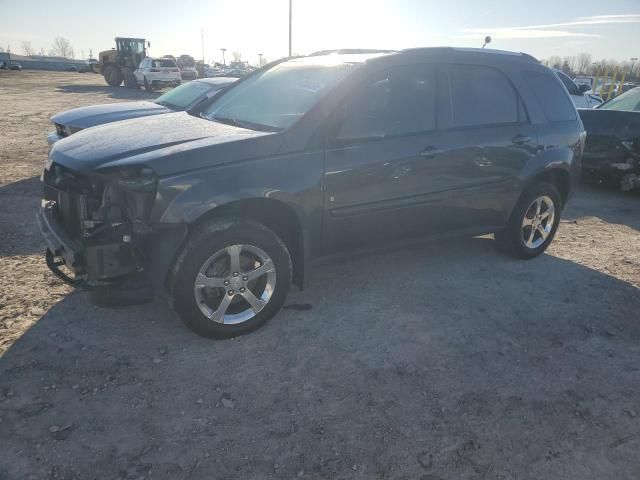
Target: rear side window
[
  {"x": 481, "y": 96},
  {"x": 555, "y": 102}
]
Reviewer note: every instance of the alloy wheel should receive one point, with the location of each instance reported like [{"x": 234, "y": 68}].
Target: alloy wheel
[
  {"x": 537, "y": 223},
  {"x": 235, "y": 284}
]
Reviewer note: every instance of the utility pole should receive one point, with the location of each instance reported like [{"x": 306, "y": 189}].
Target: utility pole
[
  {"x": 202, "y": 34},
  {"x": 224, "y": 62},
  {"x": 633, "y": 61},
  {"x": 290, "y": 10}
]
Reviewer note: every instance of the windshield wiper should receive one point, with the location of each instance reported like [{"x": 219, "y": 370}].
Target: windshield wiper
[{"x": 246, "y": 124}]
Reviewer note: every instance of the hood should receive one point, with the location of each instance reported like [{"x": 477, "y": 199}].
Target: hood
[
  {"x": 169, "y": 143},
  {"x": 85, "y": 117},
  {"x": 621, "y": 124}
]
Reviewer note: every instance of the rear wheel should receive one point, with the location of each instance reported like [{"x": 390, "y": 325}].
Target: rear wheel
[
  {"x": 533, "y": 222},
  {"x": 113, "y": 76},
  {"x": 231, "y": 277},
  {"x": 148, "y": 86}
]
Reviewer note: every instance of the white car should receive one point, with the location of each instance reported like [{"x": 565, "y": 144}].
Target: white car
[
  {"x": 157, "y": 73},
  {"x": 581, "y": 96}
]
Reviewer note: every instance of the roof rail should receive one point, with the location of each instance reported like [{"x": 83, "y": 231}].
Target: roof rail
[
  {"x": 345, "y": 51},
  {"x": 470, "y": 50}
]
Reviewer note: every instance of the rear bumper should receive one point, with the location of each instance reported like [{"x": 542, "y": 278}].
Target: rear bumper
[{"x": 173, "y": 80}]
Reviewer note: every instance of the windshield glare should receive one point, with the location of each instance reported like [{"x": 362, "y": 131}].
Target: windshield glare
[
  {"x": 628, "y": 101},
  {"x": 184, "y": 95},
  {"x": 276, "y": 98}
]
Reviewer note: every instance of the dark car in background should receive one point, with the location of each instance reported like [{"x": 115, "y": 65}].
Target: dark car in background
[
  {"x": 612, "y": 151},
  {"x": 10, "y": 66},
  {"x": 184, "y": 97},
  {"x": 305, "y": 158}
]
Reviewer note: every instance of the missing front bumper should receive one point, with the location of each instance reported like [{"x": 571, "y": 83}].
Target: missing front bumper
[{"x": 91, "y": 265}]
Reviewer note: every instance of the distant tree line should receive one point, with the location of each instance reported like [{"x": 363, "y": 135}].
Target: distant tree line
[
  {"x": 582, "y": 64},
  {"x": 61, "y": 47}
]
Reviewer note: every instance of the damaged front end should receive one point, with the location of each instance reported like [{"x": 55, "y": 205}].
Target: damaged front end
[
  {"x": 613, "y": 161},
  {"x": 96, "y": 223}
]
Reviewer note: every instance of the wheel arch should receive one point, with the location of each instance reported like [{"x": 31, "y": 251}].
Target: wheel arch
[
  {"x": 276, "y": 215},
  {"x": 559, "y": 178}
]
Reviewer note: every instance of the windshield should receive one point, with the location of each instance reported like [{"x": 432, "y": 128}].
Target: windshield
[
  {"x": 628, "y": 101},
  {"x": 274, "y": 99},
  {"x": 181, "y": 97}
]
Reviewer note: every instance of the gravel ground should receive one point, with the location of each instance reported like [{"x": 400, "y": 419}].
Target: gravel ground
[{"x": 439, "y": 361}]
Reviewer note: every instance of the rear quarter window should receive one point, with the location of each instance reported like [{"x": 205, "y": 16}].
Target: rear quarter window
[{"x": 552, "y": 97}]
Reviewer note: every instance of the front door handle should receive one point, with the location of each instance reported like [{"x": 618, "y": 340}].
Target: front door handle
[
  {"x": 431, "y": 152},
  {"x": 520, "y": 139}
]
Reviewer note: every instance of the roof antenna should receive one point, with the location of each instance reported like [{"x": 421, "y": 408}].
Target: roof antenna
[{"x": 487, "y": 39}]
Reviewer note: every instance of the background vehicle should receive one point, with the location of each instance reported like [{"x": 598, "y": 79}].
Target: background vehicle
[
  {"x": 157, "y": 73},
  {"x": 230, "y": 72},
  {"x": 10, "y": 66},
  {"x": 304, "y": 158},
  {"x": 612, "y": 151},
  {"x": 184, "y": 97},
  {"x": 584, "y": 80},
  {"x": 118, "y": 65},
  {"x": 187, "y": 66},
  {"x": 579, "y": 95}
]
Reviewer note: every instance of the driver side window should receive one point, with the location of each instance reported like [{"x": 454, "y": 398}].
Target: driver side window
[{"x": 399, "y": 101}]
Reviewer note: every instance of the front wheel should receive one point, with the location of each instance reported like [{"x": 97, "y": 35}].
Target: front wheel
[
  {"x": 232, "y": 276},
  {"x": 533, "y": 222}
]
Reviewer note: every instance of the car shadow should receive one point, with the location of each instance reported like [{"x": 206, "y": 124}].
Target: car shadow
[
  {"x": 443, "y": 360},
  {"x": 121, "y": 92},
  {"x": 20, "y": 201}
]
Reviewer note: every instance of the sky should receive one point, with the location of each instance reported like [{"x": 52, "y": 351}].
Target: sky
[{"x": 543, "y": 28}]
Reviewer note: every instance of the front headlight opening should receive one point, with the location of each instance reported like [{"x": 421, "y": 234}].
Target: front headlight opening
[{"x": 139, "y": 179}]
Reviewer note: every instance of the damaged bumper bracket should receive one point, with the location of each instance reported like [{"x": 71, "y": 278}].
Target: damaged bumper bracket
[{"x": 59, "y": 246}]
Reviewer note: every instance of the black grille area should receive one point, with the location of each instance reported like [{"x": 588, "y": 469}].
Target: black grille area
[{"x": 69, "y": 190}]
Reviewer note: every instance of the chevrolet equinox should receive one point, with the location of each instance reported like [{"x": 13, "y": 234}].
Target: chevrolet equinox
[{"x": 221, "y": 209}]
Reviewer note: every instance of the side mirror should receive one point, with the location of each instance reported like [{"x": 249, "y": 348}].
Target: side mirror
[
  {"x": 584, "y": 88},
  {"x": 148, "y": 44}
]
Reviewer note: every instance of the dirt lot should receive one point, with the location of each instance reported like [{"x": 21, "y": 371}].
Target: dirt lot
[{"x": 440, "y": 361}]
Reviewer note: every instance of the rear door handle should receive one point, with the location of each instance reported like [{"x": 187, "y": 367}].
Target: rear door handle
[
  {"x": 431, "y": 152},
  {"x": 520, "y": 139}
]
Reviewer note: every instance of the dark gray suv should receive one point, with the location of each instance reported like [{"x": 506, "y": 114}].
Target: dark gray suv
[{"x": 225, "y": 207}]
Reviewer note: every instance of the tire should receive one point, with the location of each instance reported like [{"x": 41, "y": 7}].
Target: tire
[
  {"x": 148, "y": 86},
  {"x": 516, "y": 239},
  {"x": 130, "y": 79},
  {"x": 206, "y": 257},
  {"x": 113, "y": 76}
]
